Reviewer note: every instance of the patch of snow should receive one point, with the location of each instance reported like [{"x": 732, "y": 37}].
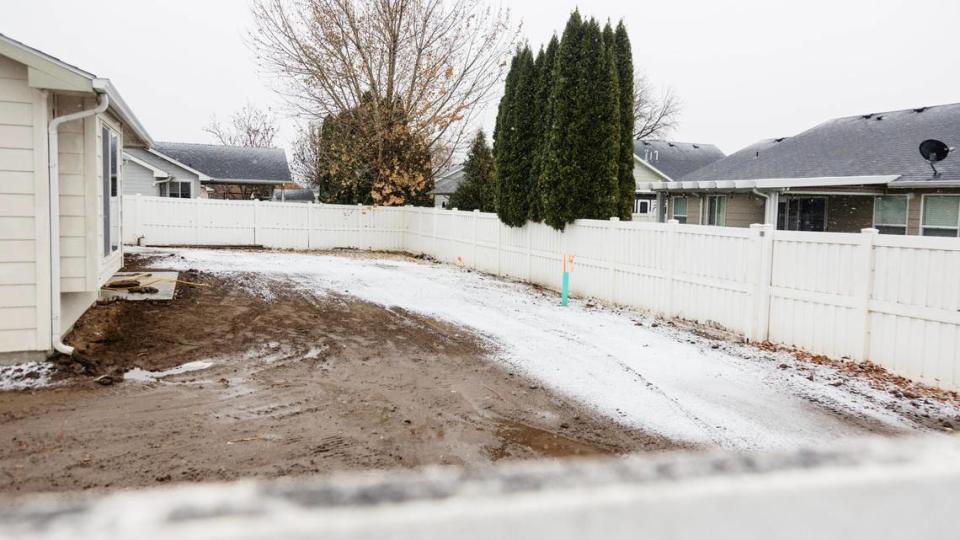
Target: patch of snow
[
  {"x": 25, "y": 375},
  {"x": 662, "y": 380},
  {"x": 142, "y": 375}
]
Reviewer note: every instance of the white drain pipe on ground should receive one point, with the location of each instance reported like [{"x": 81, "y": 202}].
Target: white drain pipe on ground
[{"x": 53, "y": 158}]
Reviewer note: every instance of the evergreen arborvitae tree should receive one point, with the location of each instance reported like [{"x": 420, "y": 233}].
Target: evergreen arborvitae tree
[
  {"x": 627, "y": 184},
  {"x": 558, "y": 178},
  {"x": 581, "y": 166},
  {"x": 543, "y": 67},
  {"x": 500, "y": 131},
  {"x": 515, "y": 148},
  {"x": 476, "y": 190}
]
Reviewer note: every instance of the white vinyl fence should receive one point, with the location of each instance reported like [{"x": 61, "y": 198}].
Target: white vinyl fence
[{"x": 894, "y": 300}]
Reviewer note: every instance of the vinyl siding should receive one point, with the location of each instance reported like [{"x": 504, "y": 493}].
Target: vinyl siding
[
  {"x": 641, "y": 173},
  {"x": 744, "y": 210},
  {"x": 73, "y": 193},
  {"x": 19, "y": 200},
  {"x": 138, "y": 180}
]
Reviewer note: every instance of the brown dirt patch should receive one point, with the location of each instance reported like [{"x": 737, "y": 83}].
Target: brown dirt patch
[{"x": 299, "y": 385}]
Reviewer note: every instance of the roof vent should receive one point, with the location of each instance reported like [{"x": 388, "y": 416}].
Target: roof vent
[
  {"x": 867, "y": 116},
  {"x": 670, "y": 144},
  {"x": 697, "y": 146},
  {"x": 879, "y": 118},
  {"x": 781, "y": 139},
  {"x": 757, "y": 155},
  {"x": 920, "y": 110}
]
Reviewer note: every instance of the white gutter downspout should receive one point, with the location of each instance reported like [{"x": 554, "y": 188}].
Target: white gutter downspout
[
  {"x": 770, "y": 206},
  {"x": 53, "y": 144}
]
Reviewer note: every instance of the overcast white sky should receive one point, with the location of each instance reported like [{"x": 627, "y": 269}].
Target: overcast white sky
[{"x": 745, "y": 69}]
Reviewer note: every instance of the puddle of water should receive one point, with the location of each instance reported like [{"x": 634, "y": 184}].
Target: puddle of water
[
  {"x": 137, "y": 374},
  {"x": 542, "y": 441}
]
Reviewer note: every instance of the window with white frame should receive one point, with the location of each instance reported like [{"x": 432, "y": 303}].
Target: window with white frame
[
  {"x": 890, "y": 214},
  {"x": 175, "y": 189},
  {"x": 716, "y": 210},
  {"x": 642, "y": 206},
  {"x": 941, "y": 215},
  {"x": 680, "y": 209},
  {"x": 110, "y": 176}
]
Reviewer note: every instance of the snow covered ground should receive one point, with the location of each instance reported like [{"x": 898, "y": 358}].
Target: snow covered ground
[{"x": 656, "y": 377}]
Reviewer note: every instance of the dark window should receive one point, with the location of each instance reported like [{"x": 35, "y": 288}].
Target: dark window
[{"x": 803, "y": 214}]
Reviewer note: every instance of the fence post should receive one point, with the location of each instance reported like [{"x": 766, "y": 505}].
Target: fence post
[
  {"x": 527, "y": 229},
  {"x": 499, "y": 245},
  {"x": 256, "y": 222},
  {"x": 453, "y": 227},
  {"x": 671, "y": 266},
  {"x": 476, "y": 217},
  {"x": 138, "y": 220},
  {"x": 436, "y": 237},
  {"x": 196, "y": 221},
  {"x": 359, "y": 226},
  {"x": 309, "y": 206},
  {"x": 759, "y": 329},
  {"x": 866, "y": 258},
  {"x": 612, "y": 244}
]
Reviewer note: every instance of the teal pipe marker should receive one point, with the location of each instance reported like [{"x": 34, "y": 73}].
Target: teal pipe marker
[{"x": 566, "y": 289}]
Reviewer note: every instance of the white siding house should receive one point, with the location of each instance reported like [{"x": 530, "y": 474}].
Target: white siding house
[{"x": 36, "y": 89}]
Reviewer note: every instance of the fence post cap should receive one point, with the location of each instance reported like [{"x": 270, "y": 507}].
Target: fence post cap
[
  {"x": 673, "y": 222},
  {"x": 476, "y": 210},
  {"x": 614, "y": 218},
  {"x": 870, "y": 230}
]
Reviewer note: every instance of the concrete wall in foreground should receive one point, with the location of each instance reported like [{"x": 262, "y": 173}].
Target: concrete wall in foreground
[{"x": 895, "y": 489}]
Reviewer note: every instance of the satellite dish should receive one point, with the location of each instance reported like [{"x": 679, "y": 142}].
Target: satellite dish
[{"x": 933, "y": 151}]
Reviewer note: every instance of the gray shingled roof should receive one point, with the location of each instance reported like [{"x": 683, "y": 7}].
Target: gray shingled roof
[
  {"x": 676, "y": 159},
  {"x": 448, "y": 183},
  {"x": 231, "y": 162},
  {"x": 863, "y": 145},
  {"x": 171, "y": 168}
]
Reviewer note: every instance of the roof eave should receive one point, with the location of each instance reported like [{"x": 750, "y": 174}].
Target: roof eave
[
  {"x": 769, "y": 183},
  {"x": 123, "y": 110},
  {"x": 243, "y": 181},
  {"x": 904, "y": 184}
]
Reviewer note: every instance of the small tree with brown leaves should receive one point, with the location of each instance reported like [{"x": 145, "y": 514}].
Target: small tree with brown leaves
[{"x": 440, "y": 59}]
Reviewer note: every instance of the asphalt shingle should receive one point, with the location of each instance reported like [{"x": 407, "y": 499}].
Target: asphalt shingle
[
  {"x": 863, "y": 145},
  {"x": 230, "y": 162},
  {"x": 676, "y": 159}
]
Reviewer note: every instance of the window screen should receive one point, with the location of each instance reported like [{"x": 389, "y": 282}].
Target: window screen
[
  {"x": 890, "y": 214},
  {"x": 680, "y": 209},
  {"x": 716, "y": 210},
  {"x": 941, "y": 211}
]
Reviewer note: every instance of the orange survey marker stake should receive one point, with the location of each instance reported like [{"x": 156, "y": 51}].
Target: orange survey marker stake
[{"x": 567, "y": 268}]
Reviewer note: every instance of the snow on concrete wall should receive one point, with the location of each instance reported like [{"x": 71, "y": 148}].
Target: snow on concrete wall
[
  {"x": 893, "y": 300},
  {"x": 901, "y": 488}
]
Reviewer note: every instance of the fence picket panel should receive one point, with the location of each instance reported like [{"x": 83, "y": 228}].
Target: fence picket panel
[{"x": 893, "y": 300}]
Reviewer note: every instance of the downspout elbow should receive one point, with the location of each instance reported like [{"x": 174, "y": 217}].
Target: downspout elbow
[{"x": 53, "y": 157}]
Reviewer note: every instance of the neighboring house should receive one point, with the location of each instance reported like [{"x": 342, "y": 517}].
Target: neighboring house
[
  {"x": 843, "y": 175},
  {"x": 300, "y": 195},
  {"x": 198, "y": 170},
  {"x": 665, "y": 161},
  {"x": 149, "y": 172},
  {"x": 446, "y": 185},
  {"x": 62, "y": 131}
]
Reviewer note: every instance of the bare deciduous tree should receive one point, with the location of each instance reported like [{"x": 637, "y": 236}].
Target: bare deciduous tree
[
  {"x": 655, "y": 115},
  {"x": 437, "y": 59},
  {"x": 249, "y": 126}
]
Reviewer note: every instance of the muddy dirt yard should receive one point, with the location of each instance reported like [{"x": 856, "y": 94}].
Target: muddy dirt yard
[{"x": 275, "y": 363}]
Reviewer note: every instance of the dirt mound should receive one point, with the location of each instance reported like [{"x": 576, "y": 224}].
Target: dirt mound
[{"x": 286, "y": 383}]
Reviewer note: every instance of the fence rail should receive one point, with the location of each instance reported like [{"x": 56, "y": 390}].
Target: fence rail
[{"x": 889, "y": 299}]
